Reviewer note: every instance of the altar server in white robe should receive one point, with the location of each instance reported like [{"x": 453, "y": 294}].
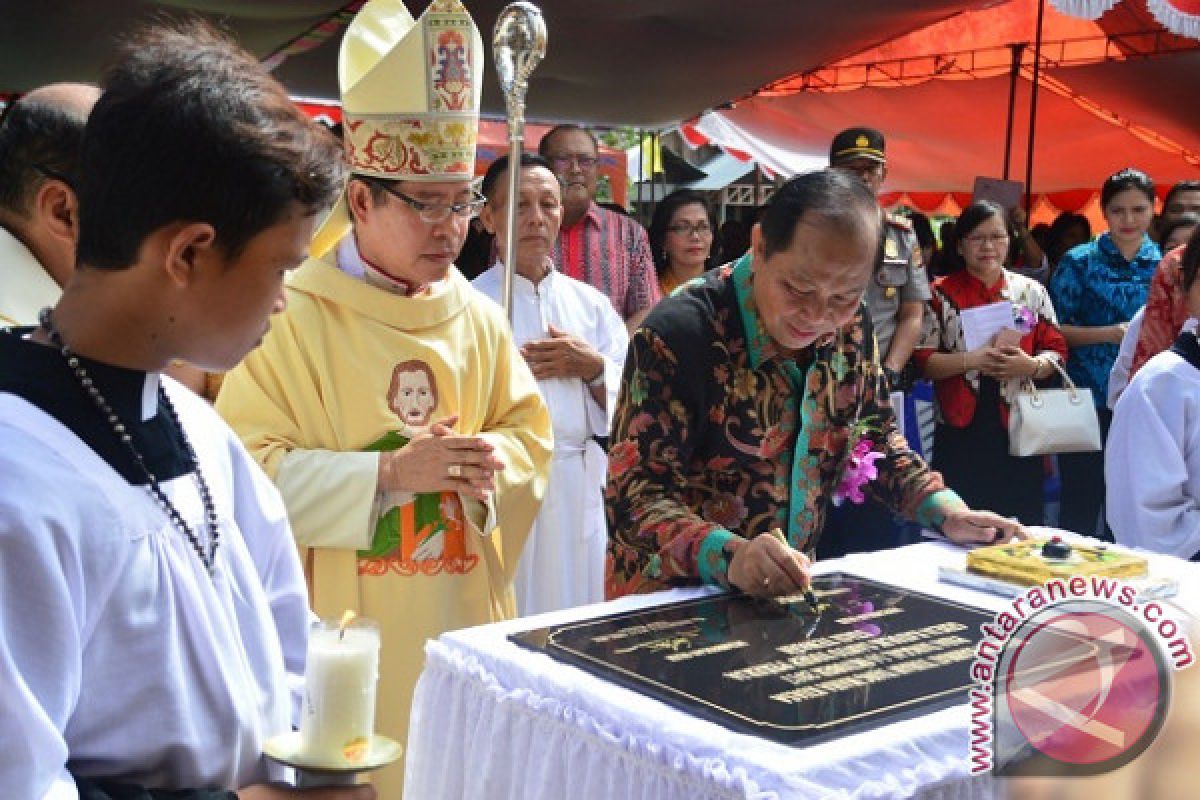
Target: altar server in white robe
[
  {"x": 153, "y": 614},
  {"x": 1152, "y": 460},
  {"x": 575, "y": 344}
]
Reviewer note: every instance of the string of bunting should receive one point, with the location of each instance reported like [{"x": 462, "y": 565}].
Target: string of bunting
[
  {"x": 1181, "y": 17},
  {"x": 314, "y": 36}
]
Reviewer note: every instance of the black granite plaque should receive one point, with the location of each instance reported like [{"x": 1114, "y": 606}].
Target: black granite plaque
[{"x": 872, "y": 654}]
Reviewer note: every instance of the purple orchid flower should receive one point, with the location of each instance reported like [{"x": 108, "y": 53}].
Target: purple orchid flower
[
  {"x": 1024, "y": 319},
  {"x": 860, "y": 469}
]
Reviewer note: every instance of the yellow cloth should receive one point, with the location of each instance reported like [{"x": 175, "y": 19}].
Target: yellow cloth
[
  {"x": 316, "y": 393},
  {"x": 25, "y": 286}
]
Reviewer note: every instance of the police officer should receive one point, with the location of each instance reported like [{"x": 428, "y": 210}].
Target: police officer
[
  {"x": 896, "y": 298},
  {"x": 897, "y": 294}
]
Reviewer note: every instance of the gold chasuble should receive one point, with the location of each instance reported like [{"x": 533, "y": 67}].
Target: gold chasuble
[{"x": 350, "y": 370}]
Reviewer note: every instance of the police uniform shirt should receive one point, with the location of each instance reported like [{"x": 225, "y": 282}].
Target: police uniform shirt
[{"x": 900, "y": 278}]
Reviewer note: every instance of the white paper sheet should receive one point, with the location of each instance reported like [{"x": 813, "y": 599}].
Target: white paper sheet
[{"x": 982, "y": 323}]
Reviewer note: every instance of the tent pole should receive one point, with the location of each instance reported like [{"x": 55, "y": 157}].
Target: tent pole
[
  {"x": 641, "y": 213},
  {"x": 664, "y": 163},
  {"x": 653, "y": 175},
  {"x": 1033, "y": 96},
  {"x": 1017, "y": 50}
]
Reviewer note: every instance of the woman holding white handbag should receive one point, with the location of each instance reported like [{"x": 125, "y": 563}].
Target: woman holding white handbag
[
  {"x": 1152, "y": 460},
  {"x": 975, "y": 387}
]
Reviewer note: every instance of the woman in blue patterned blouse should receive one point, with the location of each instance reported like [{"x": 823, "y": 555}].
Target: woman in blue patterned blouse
[{"x": 1096, "y": 289}]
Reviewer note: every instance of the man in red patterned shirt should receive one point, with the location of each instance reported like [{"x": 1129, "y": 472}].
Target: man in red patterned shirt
[{"x": 602, "y": 248}]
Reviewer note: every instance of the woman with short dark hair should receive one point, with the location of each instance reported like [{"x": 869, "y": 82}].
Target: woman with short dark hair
[
  {"x": 976, "y": 387},
  {"x": 681, "y": 238}
]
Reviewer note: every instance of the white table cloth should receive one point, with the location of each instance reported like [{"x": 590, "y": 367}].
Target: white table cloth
[{"x": 494, "y": 720}]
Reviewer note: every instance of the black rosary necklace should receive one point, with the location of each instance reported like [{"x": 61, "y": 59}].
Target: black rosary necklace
[{"x": 46, "y": 318}]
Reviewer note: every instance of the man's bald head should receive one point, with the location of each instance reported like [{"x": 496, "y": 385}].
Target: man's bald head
[
  {"x": 72, "y": 98},
  {"x": 39, "y": 140}
]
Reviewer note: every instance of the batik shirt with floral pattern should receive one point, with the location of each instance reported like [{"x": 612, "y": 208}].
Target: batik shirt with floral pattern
[{"x": 719, "y": 436}]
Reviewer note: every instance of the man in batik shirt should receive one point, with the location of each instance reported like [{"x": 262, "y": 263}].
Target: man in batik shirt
[{"x": 754, "y": 400}]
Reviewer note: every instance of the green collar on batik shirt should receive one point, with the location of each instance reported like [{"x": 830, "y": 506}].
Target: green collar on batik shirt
[
  {"x": 760, "y": 347},
  {"x": 759, "y": 344}
]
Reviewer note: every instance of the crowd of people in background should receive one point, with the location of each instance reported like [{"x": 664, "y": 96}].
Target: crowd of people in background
[{"x": 1088, "y": 296}]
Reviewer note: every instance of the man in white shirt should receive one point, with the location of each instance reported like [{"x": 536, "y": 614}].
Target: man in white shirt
[
  {"x": 153, "y": 614},
  {"x": 575, "y": 344}
]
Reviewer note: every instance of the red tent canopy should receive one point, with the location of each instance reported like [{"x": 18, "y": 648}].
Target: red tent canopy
[{"x": 1111, "y": 96}]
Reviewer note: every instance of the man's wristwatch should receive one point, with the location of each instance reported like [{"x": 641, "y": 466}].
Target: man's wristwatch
[{"x": 598, "y": 381}]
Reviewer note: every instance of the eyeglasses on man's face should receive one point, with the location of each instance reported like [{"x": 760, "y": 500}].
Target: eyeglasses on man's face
[
  {"x": 432, "y": 213},
  {"x": 689, "y": 229},
  {"x": 565, "y": 161},
  {"x": 980, "y": 239}
]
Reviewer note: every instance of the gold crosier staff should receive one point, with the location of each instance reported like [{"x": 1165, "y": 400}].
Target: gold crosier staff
[{"x": 518, "y": 46}]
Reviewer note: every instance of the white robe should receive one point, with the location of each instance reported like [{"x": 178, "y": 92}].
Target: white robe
[
  {"x": 118, "y": 654},
  {"x": 1152, "y": 459},
  {"x": 1118, "y": 376},
  {"x": 562, "y": 565}
]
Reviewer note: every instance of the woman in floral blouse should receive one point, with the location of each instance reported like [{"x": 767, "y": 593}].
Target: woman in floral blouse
[
  {"x": 974, "y": 388},
  {"x": 754, "y": 399}
]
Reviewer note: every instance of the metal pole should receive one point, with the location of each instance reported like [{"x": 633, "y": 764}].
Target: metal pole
[
  {"x": 518, "y": 45},
  {"x": 1017, "y": 50},
  {"x": 641, "y": 209},
  {"x": 1033, "y": 96},
  {"x": 658, "y": 150},
  {"x": 516, "y": 143},
  {"x": 654, "y": 151}
]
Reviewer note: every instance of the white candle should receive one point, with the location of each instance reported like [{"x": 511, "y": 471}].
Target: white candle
[{"x": 339, "y": 692}]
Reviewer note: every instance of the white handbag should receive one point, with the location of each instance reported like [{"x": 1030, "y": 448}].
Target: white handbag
[{"x": 1042, "y": 421}]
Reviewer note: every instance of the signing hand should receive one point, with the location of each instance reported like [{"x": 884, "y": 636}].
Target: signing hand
[
  {"x": 264, "y": 791},
  {"x": 562, "y": 355},
  {"x": 766, "y": 567},
  {"x": 441, "y": 460},
  {"x": 1008, "y": 362},
  {"x": 981, "y": 527}
]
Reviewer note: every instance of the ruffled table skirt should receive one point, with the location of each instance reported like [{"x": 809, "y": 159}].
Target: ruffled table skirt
[{"x": 495, "y": 721}]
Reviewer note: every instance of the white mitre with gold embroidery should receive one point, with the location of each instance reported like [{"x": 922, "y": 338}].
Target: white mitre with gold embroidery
[{"x": 410, "y": 98}]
